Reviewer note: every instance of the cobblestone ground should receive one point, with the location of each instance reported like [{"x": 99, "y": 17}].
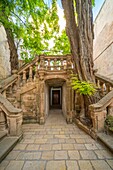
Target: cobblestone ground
[{"x": 57, "y": 146}]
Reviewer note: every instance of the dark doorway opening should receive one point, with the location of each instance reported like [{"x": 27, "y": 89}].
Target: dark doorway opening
[{"x": 55, "y": 98}]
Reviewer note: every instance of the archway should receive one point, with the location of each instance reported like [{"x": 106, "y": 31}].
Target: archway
[{"x": 55, "y": 95}]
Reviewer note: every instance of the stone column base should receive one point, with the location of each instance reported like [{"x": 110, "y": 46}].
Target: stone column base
[
  {"x": 69, "y": 119},
  {"x": 42, "y": 120}
]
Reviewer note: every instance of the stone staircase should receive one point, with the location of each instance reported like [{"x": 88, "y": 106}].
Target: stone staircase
[
  {"x": 10, "y": 126},
  {"x": 22, "y": 90},
  {"x": 2, "y": 134},
  {"x": 7, "y": 143}
]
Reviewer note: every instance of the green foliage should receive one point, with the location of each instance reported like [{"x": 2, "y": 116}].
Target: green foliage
[
  {"x": 62, "y": 45},
  {"x": 25, "y": 57},
  {"x": 82, "y": 87},
  {"x": 109, "y": 121},
  {"x": 33, "y": 25}
]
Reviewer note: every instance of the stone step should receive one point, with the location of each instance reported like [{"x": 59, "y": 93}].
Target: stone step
[
  {"x": 6, "y": 145},
  {"x": 106, "y": 139},
  {"x": 2, "y": 134}
]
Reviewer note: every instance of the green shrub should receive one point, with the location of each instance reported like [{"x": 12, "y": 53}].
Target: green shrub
[
  {"x": 82, "y": 87},
  {"x": 109, "y": 121}
]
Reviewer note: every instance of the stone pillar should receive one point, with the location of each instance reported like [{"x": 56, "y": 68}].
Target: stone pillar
[
  {"x": 41, "y": 91},
  {"x": 15, "y": 124},
  {"x": 69, "y": 103},
  {"x": 2, "y": 120},
  {"x": 38, "y": 99},
  {"x": 41, "y": 109},
  {"x": 98, "y": 119}
]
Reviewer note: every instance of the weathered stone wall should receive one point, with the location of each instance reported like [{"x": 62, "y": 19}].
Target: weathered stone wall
[
  {"x": 5, "y": 69},
  {"x": 103, "y": 42},
  {"x": 29, "y": 105}
]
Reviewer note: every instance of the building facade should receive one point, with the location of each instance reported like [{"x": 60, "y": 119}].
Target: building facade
[{"x": 103, "y": 40}]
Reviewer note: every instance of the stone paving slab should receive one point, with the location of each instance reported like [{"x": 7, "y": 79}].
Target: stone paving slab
[
  {"x": 57, "y": 146},
  {"x": 106, "y": 139},
  {"x": 100, "y": 165},
  {"x": 85, "y": 165}
]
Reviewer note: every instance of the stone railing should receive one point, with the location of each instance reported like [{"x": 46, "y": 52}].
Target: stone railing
[
  {"x": 105, "y": 84},
  {"x": 104, "y": 106},
  {"x": 26, "y": 74},
  {"x": 55, "y": 63},
  {"x": 38, "y": 67},
  {"x": 10, "y": 118}
]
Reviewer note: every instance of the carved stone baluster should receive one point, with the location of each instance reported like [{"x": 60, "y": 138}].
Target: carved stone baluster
[
  {"x": 55, "y": 64},
  {"x": 24, "y": 77},
  {"x": 30, "y": 73},
  {"x": 36, "y": 71},
  {"x": 102, "y": 88},
  {"x": 48, "y": 63},
  {"x": 41, "y": 62},
  {"x": 98, "y": 83},
  {"x": 61, "y": 63},
  {"x": 65, "y": 64},
  {"x": 18, "y": 82},
  {"x": 107, "y": 88}
]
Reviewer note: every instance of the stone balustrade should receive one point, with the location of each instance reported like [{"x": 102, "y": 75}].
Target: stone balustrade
[
  {"x": 37, "y": 67},
  {"x": 100, "y": 110},
  {"x": 10, "y": 117},
  {"x": 105, "y": 84},
  {"x": 104, "y": 106},
  {"x": 55, "y": 63}
]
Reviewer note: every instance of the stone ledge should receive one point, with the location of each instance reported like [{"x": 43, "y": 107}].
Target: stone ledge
[
  {"x": 106, "y": 139},
  {"x": 6, "y": 145},
  {"x": 89, "y": 131},
  {"x": 8, "y": 106},
  {"x": 2, "y": 134}
]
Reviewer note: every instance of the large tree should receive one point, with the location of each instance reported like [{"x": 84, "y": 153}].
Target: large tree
[
  {"x": 79, "y": 28},
  {"x": 34, "y": 23}
]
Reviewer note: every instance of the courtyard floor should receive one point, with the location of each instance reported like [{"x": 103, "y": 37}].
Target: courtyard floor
[{"x": 57, "y": 145}]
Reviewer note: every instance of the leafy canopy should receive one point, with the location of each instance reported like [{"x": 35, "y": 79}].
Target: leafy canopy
[
  {"x": 34, "y": 24},
  {"x": 82, "y": 87}
]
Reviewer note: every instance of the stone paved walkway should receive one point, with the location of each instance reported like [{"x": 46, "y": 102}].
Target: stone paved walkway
[{"x": 57, "y": 146}]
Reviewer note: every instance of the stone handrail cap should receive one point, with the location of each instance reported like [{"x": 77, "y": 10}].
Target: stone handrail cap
[{"x": 8, "y": 106}]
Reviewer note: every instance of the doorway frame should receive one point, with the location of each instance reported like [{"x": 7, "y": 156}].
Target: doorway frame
[{"x": 51, "y": 92}]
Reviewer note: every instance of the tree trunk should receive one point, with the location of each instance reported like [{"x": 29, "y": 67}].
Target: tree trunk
[
  {"x": 80, "y": 33},
  {"x": 10, "y": 39},
  {"x": 13, "y": 50}
]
